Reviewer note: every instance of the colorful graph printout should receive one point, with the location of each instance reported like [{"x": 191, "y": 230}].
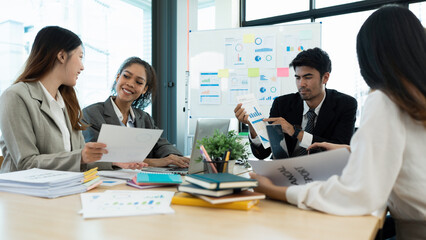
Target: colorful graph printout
[
  {"x": 126, "y": 203},
  {"x": 256, "y": 117}
]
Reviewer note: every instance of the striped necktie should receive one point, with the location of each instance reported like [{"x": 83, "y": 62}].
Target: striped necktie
[{"x": 311, "y": 115}]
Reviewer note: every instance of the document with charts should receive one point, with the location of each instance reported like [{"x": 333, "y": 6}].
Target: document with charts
[
  {"x": 304, "y": 169},
  {"x": 127, "y": 144},
  {"x": 256, "y": 117},
  {"x": 126, "y": 203}
]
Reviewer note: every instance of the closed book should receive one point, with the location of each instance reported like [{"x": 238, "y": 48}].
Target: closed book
[
  {"x": 241, "y": 196},
  {"x": 192, "y": 188},
  {"x": 220, "y": 181},
  {"x": 135, "y": 182},
  {"x": 155, "y": 178},
  {"x": 182, "y": 198}
]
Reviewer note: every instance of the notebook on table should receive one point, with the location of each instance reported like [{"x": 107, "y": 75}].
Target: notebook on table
[
  {"x": 194, "y": 189},
  {"x": 220, "y": 181},
  {"x": 236, "y": 197},
  {"x": 205, "y": 127}
]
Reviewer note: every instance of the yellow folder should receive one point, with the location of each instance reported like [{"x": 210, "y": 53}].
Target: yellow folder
[{"x": 182, "y": 198}]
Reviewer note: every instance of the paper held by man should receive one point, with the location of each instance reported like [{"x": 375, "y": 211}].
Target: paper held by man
[
  {"x": 304, "y": 169},
  {"x": 127, "y": 144}
]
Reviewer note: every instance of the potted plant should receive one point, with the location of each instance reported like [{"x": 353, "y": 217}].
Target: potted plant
[{"x": 219, "y": 143}]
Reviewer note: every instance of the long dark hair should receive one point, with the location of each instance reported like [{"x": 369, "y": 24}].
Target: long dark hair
[
  {"x": 144, "y": 99},
  {"x": 391, "y": 48},
  {"x": 47, "y": 44}
]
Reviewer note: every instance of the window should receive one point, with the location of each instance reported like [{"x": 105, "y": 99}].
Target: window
[
  {"x": 329, "y": 3},
  {"x": 268, "y": 8},
  {"x": 340, "y": 25},
  {"x": 111, "y": 31},
  {"x": 345, "y": 74},
  {"x": 216, "y": 14},
  {"x": 419, "y": 9},
  {"x": 206, "y": 12}
]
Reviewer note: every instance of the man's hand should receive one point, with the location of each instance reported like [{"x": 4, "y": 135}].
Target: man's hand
[
  {"x": 241, "y": 114},
  {"x": 286, "y": 126}
]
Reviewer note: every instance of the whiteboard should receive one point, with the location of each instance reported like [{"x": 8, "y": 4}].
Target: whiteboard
[{"x": 230, "y": 62}]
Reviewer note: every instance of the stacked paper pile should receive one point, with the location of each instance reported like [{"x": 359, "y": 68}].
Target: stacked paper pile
[{"x": 48, "y": 183}]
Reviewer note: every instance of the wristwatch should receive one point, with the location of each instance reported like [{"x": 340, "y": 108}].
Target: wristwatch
[{"x": 297, "y": 130}]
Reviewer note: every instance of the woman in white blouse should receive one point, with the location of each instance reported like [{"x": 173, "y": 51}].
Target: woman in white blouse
[{"x": 387, "y": 164}]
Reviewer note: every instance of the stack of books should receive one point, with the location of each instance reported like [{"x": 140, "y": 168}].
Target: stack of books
[
  {"x": 149, "y": 180},
  {"x": 220, "y": 190},
  {"x": 48, "y": 183}
]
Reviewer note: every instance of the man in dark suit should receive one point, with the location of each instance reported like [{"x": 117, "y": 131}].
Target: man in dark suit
[{"x": 313, "y": 114}]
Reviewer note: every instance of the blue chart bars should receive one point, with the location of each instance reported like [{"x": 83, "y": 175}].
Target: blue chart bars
[{"x": 255, "y": 114}]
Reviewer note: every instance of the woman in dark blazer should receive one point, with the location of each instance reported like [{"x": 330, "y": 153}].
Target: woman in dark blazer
[{"x": 134, "y": 84}]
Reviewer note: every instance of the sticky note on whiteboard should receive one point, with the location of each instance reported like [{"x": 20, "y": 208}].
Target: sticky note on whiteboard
[
  {"x": 253, "y": 72},
  {"x": 282, "y": 72},
  {"x": 248, "y": 38},
  {"x": 223, "y": 73}
]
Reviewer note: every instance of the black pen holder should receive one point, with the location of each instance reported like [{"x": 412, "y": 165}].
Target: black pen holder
[{"x": 219, "y": 166}]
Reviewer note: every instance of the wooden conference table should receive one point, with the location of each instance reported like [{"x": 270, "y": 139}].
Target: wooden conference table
[{"x": 25, "y": 217}]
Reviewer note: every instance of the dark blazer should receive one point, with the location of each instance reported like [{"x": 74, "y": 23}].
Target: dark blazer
[
  {"x": 103, "y": 112},
  {"x": 335, "y": 121}
]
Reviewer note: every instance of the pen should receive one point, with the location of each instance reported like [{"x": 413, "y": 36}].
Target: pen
[
  {"x": 228, "y": 154},
  {"x": 207, "y": 158}
]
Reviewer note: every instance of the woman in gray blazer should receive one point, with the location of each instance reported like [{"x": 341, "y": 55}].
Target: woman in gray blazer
[
  {"x": 40, "y": 118},
  {"x": 134, "y": 84}
]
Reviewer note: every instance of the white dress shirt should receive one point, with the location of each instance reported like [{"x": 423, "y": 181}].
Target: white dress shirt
[
  {"x": 387, "y": 165},
  {"x": 57, "y": 107},
  {"x": 130, "y": 119}
]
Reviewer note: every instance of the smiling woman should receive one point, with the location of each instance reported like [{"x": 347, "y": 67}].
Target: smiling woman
[
  {"x": 40, "y": 117},
  {"x": 132, "y": 90}
]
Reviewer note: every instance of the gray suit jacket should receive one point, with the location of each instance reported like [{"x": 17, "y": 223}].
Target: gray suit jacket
[
  {"x": 103, "y": 112},
  {"x": 30, "y": 136}
]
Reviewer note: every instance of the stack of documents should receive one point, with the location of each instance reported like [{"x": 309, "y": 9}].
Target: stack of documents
[
  {"x": 125, "y": 203},
  {"x": 48, "y": 183}
]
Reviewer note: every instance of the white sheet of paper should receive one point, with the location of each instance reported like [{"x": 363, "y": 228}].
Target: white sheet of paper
[
  {"x": 127, "y": 144},
  {"x": 125, "y": 203},
  {"x": 303, "y": 169},
  {"x": 256, "y": 117},
  {"x": 126, "y": 174}
]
